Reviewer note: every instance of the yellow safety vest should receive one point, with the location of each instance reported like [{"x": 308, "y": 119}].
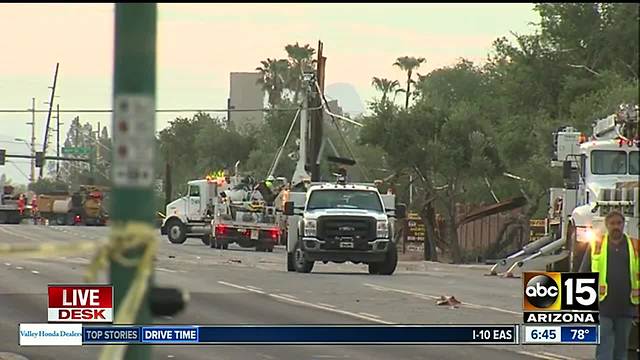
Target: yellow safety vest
[{"x": 599, "y": 265}]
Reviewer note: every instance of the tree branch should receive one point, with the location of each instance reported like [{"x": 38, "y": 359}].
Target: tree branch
[{"x": 584, "y": 67}]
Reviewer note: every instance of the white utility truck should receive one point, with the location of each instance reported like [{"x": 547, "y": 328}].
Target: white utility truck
[
  {"x": 601, "y": 172},
  {"x": 342, "y": 222}
]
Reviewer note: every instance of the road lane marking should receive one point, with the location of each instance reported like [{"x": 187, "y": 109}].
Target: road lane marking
[
  {"x": 19, "y": 268},
  {"x": 558, "y": 356},
  {"x": 7, "y": 264},
  {"x": 327, "y": 305},
  {"x": 35, "y": 272},
  {"x": 433, "y": 297},
  {"x": 338, "y": 311},
  {"x": 308, "y": 304},
  {"x": 289, "y": 296},
  {"x": 254, "y": 287},
  {"x": 370, "y": 315},
  {"x": 542, "y": 356},
  {"x": 167, "y": 270},
  {"x": 241, "y": 287}
]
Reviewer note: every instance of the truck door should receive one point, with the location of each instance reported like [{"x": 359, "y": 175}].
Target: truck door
[{"x": 194, "y": 205}]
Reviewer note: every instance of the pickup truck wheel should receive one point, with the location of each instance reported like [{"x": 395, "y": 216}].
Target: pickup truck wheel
[
  {"x": 61, "y": 220},
  {"x": 290, "y": 266},
  {"x": 206, "y": 239},
  {"x": 388, "y": 267},
  {"x": 301, "y": 265},
  {"x": 176, "y": 232},
  {"x": 374, "y": 268},
  {"x": 270, "y": 249}
]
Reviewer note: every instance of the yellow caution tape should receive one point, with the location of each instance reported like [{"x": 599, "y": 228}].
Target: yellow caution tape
[
  {"x": 48, "y": 249},
  {"x": 125, "y": 238}
]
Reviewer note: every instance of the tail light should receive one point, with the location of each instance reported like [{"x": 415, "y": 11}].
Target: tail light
[
  {"x": 274, "y": 234},
  {"x": 76, "y": 219},
  {"x": 221, "y": 229}
]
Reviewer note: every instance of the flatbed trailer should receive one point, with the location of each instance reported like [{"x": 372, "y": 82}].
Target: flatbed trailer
[{"x": 261, "y": 236}]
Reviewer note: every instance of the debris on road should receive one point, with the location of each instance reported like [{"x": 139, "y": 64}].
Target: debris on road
[
  {"x": 172, "y": 257},
  {"x": 237, "y": 261},
  {"x": 449, "y": 301}
]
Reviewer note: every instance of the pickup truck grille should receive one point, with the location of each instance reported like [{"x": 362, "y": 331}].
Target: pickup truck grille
[{"x": 334, "y": 229}]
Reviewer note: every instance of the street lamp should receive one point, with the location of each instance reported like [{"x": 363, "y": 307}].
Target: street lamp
[{"x": 23, "y": 141}]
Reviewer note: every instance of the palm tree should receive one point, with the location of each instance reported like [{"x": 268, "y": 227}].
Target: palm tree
[
  {"x": 386, "y": 86},
  {"x": 300, "y": 60},
  {"x": 408, "y": 64},
  {"x": 274, "y": 78}
]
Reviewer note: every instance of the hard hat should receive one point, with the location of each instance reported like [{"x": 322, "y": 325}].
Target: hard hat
[{"x": 271, "y": 178}]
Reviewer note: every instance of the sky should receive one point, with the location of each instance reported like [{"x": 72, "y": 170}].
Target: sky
[{"x": 198, "y": 45}]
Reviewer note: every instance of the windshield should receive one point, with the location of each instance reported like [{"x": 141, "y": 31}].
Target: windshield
[
  {"x": 344, "y": 199},
  {"x": 634, "y": 163},
  {"x": 605, "y": 162}
]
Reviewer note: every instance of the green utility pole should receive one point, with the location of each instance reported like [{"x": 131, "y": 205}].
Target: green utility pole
[{"x": 134, "y": 85}]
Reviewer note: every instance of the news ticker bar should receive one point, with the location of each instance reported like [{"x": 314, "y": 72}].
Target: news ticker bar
[
  {"x": 78, "y": 334},
  {"x": 291, "y": 334}
]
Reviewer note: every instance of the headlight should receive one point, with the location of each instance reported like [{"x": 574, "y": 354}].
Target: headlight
[
  {"x": 310, "y": 227},
  {"x": 586, "y": 235},
  {"x": 382, "y": 229}
]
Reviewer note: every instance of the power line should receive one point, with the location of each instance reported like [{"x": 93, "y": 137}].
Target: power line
[
  {"x": 107, "y": 111},
  {"x": 17, "y": 168}
]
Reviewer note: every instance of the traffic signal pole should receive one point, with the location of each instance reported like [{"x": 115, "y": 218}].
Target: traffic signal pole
[{"x": 134, "y": 84}]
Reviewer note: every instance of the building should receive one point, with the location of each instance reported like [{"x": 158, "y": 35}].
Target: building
[{"x": 245, "y": 93}]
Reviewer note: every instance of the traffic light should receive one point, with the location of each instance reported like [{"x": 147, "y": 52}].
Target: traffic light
[
  {"x": 2, "y": 153},
  {"x": 39, "y": 159}
]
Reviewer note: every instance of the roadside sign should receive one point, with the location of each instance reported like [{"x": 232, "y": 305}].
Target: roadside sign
[
  {"x": 76, "y": 150},
  {"x": 416, "y": 230}
]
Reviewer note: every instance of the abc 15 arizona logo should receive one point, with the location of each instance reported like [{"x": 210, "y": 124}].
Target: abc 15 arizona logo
[{"x": 554, "y": 291}]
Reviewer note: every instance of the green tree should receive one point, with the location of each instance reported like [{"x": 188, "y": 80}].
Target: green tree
[
  {"x": 195, "y": 146},
  {"x": 300, "y": 60},
  {"x": 275, "y": 73},
  {"x": 448, "y": 151},
  {"x": 386, "y": 86},
  {"x": 47, "y": 185},
  {"x": 408, "y": 64}
]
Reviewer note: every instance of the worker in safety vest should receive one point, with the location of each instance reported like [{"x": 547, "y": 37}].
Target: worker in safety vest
[
  {"x": 615, "y": 257},
  {"x": 34, "y": 209},
  {"x": 22, "y": 202}
]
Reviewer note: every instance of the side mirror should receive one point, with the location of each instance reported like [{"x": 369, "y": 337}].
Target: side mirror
[
  {"x": 401, "y": 211},
  {"x": 569, "y": 175},
  {"x": 288, "y": 208},
  {"x": 567, "y": 170}
]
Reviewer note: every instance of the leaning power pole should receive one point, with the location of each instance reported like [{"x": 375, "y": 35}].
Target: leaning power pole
[
  {"x": 46, "y": 130},
  {"x": 317, "y": 117}
]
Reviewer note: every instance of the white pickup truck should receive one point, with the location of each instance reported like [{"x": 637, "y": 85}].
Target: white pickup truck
[{"x": 342, "y": 222}]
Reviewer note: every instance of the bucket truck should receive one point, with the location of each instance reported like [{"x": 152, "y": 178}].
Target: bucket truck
[{"x": 600, "y": 173}]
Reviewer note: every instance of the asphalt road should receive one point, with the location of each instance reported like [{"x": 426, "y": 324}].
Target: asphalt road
[{"x": 241, "y": 286}]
